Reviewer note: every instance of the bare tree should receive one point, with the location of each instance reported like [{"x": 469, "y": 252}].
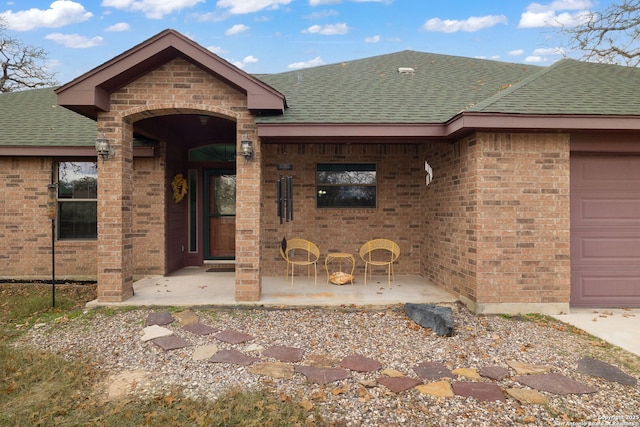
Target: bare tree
[
  {"x": 22, "y": 66},
  {"x": 611, "y": 36}
]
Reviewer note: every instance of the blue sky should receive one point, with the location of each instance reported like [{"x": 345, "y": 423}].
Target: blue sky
[{"x": 271, "y": 36}]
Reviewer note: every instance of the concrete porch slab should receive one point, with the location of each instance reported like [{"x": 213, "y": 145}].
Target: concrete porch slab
[{"x": 194, "y": 286}]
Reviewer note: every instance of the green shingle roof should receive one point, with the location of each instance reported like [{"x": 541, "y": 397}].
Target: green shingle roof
[
  {"x": 372, "y": 90},
  {"x": 33, "y": 118},
  {"x": 571, "y": 87}
]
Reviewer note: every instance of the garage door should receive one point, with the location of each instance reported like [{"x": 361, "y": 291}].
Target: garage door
[{"x": 605, "y": 231}]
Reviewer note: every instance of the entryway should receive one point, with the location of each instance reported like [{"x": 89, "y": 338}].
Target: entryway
[{"x": 219, "y": 213}]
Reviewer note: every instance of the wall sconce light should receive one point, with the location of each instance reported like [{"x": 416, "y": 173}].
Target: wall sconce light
[
  {"x": 103, "y": 148},
  {"x": 247, "y": 147}
]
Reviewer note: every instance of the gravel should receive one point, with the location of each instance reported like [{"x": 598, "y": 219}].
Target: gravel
[{"x": 113, "y": 340}]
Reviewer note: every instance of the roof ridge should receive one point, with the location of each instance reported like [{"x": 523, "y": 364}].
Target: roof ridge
[{"x": 519, "y": 85}]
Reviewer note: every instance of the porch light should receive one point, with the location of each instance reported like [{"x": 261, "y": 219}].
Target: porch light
[
  {"x": 246, "y": 146},
  {"x": 103, "y": 148}
]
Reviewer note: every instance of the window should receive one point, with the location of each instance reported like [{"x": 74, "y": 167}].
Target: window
[
  {"x": 77, "y": 200},
  {"x": 346, "y": 185}
]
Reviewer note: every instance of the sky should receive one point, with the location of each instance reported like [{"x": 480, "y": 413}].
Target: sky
[{"x": 273, "y": 36}]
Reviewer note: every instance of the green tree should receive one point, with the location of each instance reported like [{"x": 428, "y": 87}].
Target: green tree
[
  {"x": 610, "y": 36},
  {"x": 22, "y": 66}
]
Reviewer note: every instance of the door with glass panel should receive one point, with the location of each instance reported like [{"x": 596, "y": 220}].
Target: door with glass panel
[{"x": 219, "y": 214}]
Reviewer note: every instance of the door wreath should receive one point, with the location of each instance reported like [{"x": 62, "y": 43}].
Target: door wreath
[{"x": 179, "y": 187}]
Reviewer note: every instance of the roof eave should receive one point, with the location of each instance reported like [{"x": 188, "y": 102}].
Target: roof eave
[{"x": 49, "y": 151}]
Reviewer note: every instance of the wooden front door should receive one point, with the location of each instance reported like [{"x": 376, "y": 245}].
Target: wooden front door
[{"x": 219, "y": 214}]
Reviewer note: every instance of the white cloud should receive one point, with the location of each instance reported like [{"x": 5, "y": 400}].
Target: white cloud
[
  {"x": 549, "y": 51},
  {"x": 534, "y": 59},
  {"x": 59, "y": 14},
  {"x": 237, "y": 7},
  {"x": 152, "y": 9},
  {"x": 236, "y": 29},
  {"x": 554, "y": 14},
  {"x": 120, "y": 26},
  {"x": 247, "y": 60},
  {"x": 516, "y": 52},
  {"x": 328, "y": 30},
  {"x": 323, "y": 2},
  {"x": 74, "y": 41},
  {"x": 372, "y": 39},
  {"x": 218, "y": 50},
  {"x": 321, "y": 14},
  {"x": 306, "y": 64},
  {"x": 470, "y": 25}
]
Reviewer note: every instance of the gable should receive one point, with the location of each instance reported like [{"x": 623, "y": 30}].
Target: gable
[{"x": 90, "y": 92}]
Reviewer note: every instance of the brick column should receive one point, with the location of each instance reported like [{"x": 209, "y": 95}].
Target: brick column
[
  {"x": 115, "y": 244},
  {"x": 248, "y": 214}
]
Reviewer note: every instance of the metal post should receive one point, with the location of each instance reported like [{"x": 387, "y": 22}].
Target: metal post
[{"x": 52, "y": 210}]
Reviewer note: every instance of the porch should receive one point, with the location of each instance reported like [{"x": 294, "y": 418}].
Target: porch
[{"x": 195, "y": 286}]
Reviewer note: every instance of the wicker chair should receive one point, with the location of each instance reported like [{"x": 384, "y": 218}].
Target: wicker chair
[
  {"x": 300, "y": 252},
  {"x": 378, "y": 252}
]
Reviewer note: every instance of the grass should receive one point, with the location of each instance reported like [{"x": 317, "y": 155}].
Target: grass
[{"x": 38, "y": 388}]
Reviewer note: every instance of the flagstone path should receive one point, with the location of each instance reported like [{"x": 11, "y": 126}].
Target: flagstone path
[{"x": 431, "y": 378}]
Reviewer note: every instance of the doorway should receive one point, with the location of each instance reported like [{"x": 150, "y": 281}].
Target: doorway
[{"x": 219, "y": 214}]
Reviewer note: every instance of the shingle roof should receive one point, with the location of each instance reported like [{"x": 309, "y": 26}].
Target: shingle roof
[
  {"x": 33, "y": 118},
  {"x": 571, "y": 87},
  {"x": 372, "y": 90}
]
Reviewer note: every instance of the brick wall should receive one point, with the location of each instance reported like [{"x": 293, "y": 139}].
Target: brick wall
[
  {"x": 523, "y": 223},
  {"x": 450, "y": 214},
  {"x": 400, "y": 187},
  {"x": 25, "y": 227},
  {"x": 497, "y": 220}
]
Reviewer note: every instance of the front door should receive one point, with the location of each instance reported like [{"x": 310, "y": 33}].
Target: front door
[{"x": 219, "y": 214}]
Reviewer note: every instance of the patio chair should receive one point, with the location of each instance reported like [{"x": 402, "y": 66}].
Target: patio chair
[
  {"x": 300, "y": 252},
  {"x": 378, "y": 252}
]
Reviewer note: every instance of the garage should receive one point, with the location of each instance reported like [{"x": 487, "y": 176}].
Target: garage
[{"x": 605, "y": 230}]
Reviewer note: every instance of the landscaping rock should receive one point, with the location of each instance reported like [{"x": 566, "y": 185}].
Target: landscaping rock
[
  {"x": 436, "y": 389},
  {"x": 398, "y": 384},
  {"x": 438, "y": 319},
  {"x": 555, "y": 383},
  {"x": 155, "y": 331}
]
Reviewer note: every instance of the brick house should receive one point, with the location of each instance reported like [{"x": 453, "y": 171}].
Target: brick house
[{"x": 534, "y": 202}]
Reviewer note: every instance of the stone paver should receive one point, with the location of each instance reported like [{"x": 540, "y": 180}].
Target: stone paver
[
  {"x": 321, "y": 360},
  {"x": 322, "y": 375},
  {"x": 200, "y": 329},
  {"x": 469, "y": 373},
  {"x": 233, "y": 337},
  {"x": 284, "y": 354},
  {"x": 171, "y": 342},
  {"x": 154, "y": 331},
  {"x": 555, "y": 383},
  {"x": 275, "y": 370},
  {"x": 204, "y": 352},
  {"x": 496, "y": 373},
  {"x": 436, "y": 389},
  {"x": 597, "y": 368},
  {"x": 232, "y": 356},
  {"x": 481, "y": 391},
  {"x": 526, "y": 368},
  {"x": 159, "y": 318},
  {"x": 358, "y": 363},
  {"x": 432, "y": 371},
  {"x": 398, "y": 384},
  {"x": 527, "y": 397},
  {"x": 187, "y": 317}
]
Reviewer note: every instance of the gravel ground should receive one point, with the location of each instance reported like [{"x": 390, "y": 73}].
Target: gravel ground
[{"x": 113, "y": 340}]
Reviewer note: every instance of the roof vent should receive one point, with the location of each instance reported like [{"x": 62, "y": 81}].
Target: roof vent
[{"x": 406, "y": 70}]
